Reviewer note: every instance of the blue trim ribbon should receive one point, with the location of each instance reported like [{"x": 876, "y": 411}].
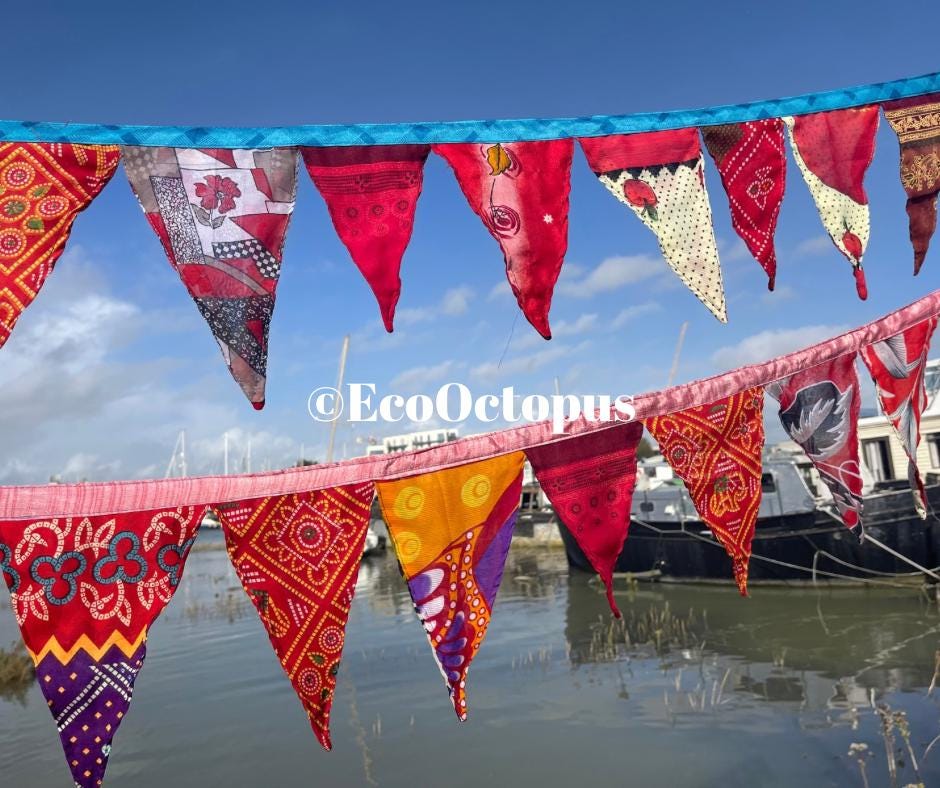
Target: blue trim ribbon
[{"x": 461, "y": 130}]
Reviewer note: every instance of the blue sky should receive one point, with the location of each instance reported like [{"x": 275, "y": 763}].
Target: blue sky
[{"x": 113, "y": 360}]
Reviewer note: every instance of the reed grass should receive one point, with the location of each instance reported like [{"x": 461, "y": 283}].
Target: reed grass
[{"x": 17, "y": 673}]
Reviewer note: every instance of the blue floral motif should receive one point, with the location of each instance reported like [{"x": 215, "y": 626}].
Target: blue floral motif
[
  {"x": 57, "y": 564},
  {"x": 113, "y": 557},
  {"x": 180, "y": 551},
  {"x": 7, "y": 568}
]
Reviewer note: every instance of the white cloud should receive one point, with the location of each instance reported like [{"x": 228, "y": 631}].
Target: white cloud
[
  {"x": 769, "y": 344},
  {"x": 812, "y": 247},
  {"x": 610, "y": 274},
  {"x": 500, "y": 290},
  {"x": 417, "y": 378},
  {"x": 563, "y": 328},
  {"x": 456, "y": 300},
  {"x": 526, "y": 364},
  {"x": 735, "y": 251},
  {"x": 632, "y": 312},
  {"x": 778, "y": 294}
]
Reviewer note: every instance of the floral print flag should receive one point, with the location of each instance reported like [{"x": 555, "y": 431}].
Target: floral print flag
[
  {"x": 819, "y": 410},
  {"x": 43, "y": 187},
  {"x": 85, "y": 591},
  {"x": 897, "y": 367},
  {"x": 916, "y": 121},
  {"x": 297, "y": 557},
  {"x": 222, "y": 216},
  {"x": 660, "y": 176},
  {"x": 451, "y": 530},
  {"x": 752, "y": 162},
  {"x": 520, "y": 191},
  {"x": 716, "y": 450},
  {"x": 833, "y": 151},
  {"x": 589, "y": 480},
  {"x": 372, "y": 192}
]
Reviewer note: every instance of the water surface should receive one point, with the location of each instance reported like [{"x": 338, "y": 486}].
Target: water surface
[{"x": 766, "y": 691}]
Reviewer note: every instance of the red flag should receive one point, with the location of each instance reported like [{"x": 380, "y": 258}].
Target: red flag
[
  {"x": 819, "y": 410},
  {"x": 520, "y": 191},
  {"x": 297, "y": 557},
  {"x": 716, "y": 450},
  {"x": 589, "y": 480},
  {"x": 85, "y": 591},
  {"x": 833, "y": 151},
  {"x": 916, "y": 121},
  {"x": 222, "y": 216},
  {"x": 751, "y": 160},
  {"x": 43, "y": 187},
  {"x": 897, "y": 366},
  {"x": 371, "y": 192}
]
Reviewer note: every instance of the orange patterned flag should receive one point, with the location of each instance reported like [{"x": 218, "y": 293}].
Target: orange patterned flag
[
  {"x": 297, "y": 557},
  {"x": 451, "y": 530},
  {"x": 43, "y": 187},
  {"x": 716, "y": 450}
]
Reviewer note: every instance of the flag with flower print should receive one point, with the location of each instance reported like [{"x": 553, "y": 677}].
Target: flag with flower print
[
  {"x": 916, "y": 121},
  {"x": 222, "y": 217},
  {"x": 660, "y": 176},
  {"x": 85, "y": 591},
  {"x": 451, "y": 530},
  {"x": 520, "y": 191},
  {"x": 43, "y": 188},
  {"x": 752, "y": 163},
  {"x": 833, "y": 151}
]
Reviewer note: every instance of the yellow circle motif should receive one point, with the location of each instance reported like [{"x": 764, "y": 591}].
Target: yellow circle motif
[
  {"x": 409, "y": 503},
  {"x": 476, "y": 491},
  {"x": 409, "y": 546}
]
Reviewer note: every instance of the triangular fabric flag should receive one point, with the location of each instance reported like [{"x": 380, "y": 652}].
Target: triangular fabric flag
[
  {"x": 916, "y": 121},
  {"x": 819, "y": 410},
  {"x": 752, "y": 162},
  {"x": 371, "y": 192},
  {"x": 716, "y": 450},
  {"x": 660, "y": 175},
  {"x": 43, "y": 187},
  {"x": 897, "y": 366},
  {"x": 297, "y": 557},
  {"x": 451, "y": 530},
  {"x": 833, "y": 151},
  {"x": 520, "y": 191},
  {"x": 85, "y": 590},
  {"x": 589, "y": 481},
  {"x": 222, "y": 216}
]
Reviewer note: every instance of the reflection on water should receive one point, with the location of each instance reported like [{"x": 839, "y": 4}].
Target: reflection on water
[{"x": 695, "y": 686}]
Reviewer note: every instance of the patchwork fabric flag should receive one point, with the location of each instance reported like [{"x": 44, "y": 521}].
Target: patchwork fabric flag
[
  {"x": 716, "y": 450},
  {"x": 897, "y": 366},
  {"x": 297, "y": 557},
  {"x": 371, "y": 192},
  {"x": 85, "y": 591},
  {"x": 451, "y": 530},
  {"x": 660, "y": 176},
  {"x": 751, "y": 160},
  {"x": 819, "y": 410},
  {"x": 43, "y": 187},
  {"x": 222, "y": 216},
  {"x": 520, "y": 191},
  {"x": 833, "y": 151},
  {"x": 589, "y": 480},
  {"x": 916, "y": 121}
]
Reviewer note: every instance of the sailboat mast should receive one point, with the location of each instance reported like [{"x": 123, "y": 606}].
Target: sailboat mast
[{"x": 339, "y": 387}]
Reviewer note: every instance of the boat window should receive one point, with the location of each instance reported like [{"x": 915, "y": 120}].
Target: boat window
[
  {"x": 933, "y": 445},
  {"x": 647, "y": 507},
  {"x": 768, "y": 483},
  {"x": 877, "y": 454}
]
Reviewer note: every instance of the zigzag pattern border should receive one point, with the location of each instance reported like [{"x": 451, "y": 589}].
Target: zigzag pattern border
[
  {"x": 463, "y": 130},
  {"x": 85, "y": 643}
]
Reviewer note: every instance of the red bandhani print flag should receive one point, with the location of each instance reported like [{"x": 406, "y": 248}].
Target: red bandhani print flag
[
  {"x": 589, "y": 480},
  {"x": 752, "y": 162},
  {"x": 833, "y": 151},
  {"x": 916, "y": 121},
  {"x": 43, "y": 187},
  {"x": 897, "y": 366},
  {"x": 297, "y": 557},
  {"x": 716, "y": 450},
  {"x": 660, "y": 176},
  {"x": 819, "y": 410},
  {"x": 371, "y": 192},
  {"x": 520, "y": 191},
  {"x": 85, "y": 591},
  {"x": 222, "y": 216}
]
